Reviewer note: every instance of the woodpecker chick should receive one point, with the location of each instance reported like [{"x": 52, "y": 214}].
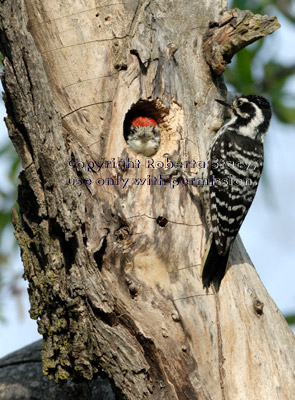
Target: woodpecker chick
[{"x": 144, "y": 137}]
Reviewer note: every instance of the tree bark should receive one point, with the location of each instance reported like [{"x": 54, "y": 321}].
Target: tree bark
[{"x": 113, "y": 267}]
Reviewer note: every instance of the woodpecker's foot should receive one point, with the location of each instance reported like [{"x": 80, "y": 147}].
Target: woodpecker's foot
[{"x": 176, "y": 172}]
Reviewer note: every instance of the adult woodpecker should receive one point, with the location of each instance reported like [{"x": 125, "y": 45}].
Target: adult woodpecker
[
  {"x": 144, "y": 136},
  {"x": 233, "y": 169},
  {"x": 235, "y": 161}
]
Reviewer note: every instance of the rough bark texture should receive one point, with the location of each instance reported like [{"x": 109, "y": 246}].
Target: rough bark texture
[
  {"x": 113, "y": 269},
  {"x": 234, "y": 31}
]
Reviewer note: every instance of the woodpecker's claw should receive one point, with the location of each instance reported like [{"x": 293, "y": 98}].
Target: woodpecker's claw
[{"x": 176, "y": 172}]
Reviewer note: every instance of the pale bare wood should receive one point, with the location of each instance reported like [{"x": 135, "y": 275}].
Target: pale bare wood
[{"x": 111, "y": 288}]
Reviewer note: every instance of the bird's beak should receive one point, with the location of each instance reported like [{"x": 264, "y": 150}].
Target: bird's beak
[{"x": 223, "y": 103}]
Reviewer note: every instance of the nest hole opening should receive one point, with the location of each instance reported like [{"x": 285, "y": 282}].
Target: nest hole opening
[{"x": 149, "y": 116}]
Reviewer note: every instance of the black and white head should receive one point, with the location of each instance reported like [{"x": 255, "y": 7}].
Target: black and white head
[{"x": 250, "y": 116}]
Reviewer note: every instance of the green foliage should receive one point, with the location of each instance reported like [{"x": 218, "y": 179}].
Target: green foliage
[
  {"x": 290, "y": 319},
  {"x": 274, "y": 81},
  {"x": 8, "y": 194},
  {"x": 239, "y": 74},
  {"x": 263, "y": 6}
]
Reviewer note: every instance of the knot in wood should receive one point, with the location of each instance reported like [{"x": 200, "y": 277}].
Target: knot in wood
[
  {"x": 162, "y": 221},
  {"x": 258, "y": 306},
  {"x": 123, "y": 233}
]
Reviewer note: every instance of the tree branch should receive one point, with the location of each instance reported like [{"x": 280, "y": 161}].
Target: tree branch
[{"x": 235, "y": 30}]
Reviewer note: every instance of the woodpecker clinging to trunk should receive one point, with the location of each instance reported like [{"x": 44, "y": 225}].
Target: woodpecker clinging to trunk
[
  {"x": 144, "y": 136},
  {"x": 229, "y": 181},
  {"x": 237, "y": 151}
]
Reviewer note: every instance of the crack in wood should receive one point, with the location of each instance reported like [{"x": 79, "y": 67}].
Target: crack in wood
[
  {"x": 91, "y": 79},
  {"x": 170, "y": 221},
  {"x": 84, "y": 44},
  {"x": 192, "y": 296},
  {"x": 86, "y": 106},
  {"x": 78, "y": 13},
  {"x": 219, "y": 345}
]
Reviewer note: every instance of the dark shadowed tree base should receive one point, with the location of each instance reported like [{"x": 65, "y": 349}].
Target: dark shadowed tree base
[{"x": 21, "y": 378}]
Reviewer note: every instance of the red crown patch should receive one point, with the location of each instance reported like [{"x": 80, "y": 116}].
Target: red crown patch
[{"x": 143, "y": 121}]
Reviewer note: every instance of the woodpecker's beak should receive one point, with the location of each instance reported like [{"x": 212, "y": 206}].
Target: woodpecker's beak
[{"x": 223, "y": 103}]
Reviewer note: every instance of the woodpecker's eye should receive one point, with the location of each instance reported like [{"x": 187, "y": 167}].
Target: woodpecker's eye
[
  {"x": 239, "y": 102},
  {"x": 144, "y": 136}
]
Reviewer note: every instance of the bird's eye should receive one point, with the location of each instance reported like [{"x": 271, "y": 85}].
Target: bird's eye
[{"x": 239, "y": 103}]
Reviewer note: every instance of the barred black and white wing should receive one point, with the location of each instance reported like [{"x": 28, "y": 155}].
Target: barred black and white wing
[{"x": 235, "y": 164}]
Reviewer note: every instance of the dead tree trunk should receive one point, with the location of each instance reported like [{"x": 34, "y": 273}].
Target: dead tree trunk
[{"x": 113, "y": 267}]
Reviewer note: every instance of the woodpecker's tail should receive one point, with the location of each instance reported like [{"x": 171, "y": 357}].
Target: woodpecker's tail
[{"x": 213, "y": 265}]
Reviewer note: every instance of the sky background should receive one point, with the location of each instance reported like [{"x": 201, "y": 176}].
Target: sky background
[{"x": 268, "y": 231}]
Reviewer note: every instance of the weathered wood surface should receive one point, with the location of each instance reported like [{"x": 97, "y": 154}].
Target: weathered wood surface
[
  {"x": 235, "y": 30},
  {"x": 114, "y": 269}
]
